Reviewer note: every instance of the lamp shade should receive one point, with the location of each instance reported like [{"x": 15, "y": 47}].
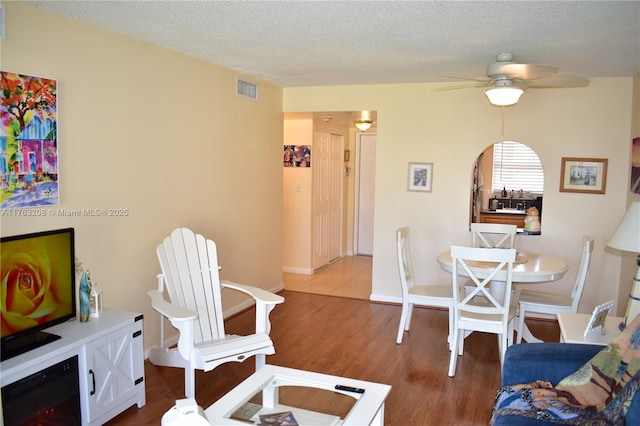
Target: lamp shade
[
  {"x": 363, "y": 125},
  {"x": 503, "y": 96},
  {"x": 627, "y": 235}
]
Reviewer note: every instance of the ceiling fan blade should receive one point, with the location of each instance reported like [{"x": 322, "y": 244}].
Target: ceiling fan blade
[
  {"x": 505, "y": 73},
  {"x": 523, "y": 72},
  {"x": 463, "y": 76},
  {"x": 558, "y": 81},
  {"x": 464, "y": 86}
]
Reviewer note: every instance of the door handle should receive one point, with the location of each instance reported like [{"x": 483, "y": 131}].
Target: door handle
[{"x": 93, "y": 382}]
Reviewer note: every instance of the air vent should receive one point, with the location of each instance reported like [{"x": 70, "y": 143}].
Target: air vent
[
  {"x": 3, "y": 23},
  {"x": 247, "y": 89}
]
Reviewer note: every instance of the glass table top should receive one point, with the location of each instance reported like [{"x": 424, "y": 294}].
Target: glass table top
[
  {"x": 295, "y": 405},
  {"x": 276, "y": 395}
]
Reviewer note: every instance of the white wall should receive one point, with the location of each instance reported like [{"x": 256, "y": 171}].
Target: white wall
[
  {"x": 450, "y": 129},
  {"x": 162, "y": 135}
]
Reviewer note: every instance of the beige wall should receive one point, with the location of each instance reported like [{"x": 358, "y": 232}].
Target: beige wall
[
  {"x": 297, "y": 213},
  {"x": 629, "y": 260},
  {"x": 450, "y": 129},
  {"x": 162, "y": 135}
]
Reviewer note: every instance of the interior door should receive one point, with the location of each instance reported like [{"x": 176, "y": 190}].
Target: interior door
[
  {"x": 335, "y": 191},
  {"x": 366, "y": 184},
  {"x": 327, "y": 173}
]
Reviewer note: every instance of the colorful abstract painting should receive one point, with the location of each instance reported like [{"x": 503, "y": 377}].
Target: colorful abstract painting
[
  {"x": 635, "y": 166},
  {"x": 28, "y": 141},
  {"x": 297, "y": 156}
]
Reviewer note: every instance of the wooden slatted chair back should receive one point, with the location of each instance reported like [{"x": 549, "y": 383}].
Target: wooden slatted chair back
[{"x": 190, "y": 267}]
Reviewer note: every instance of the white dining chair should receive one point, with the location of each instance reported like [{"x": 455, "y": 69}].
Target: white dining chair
[
  {"x": 417, "y": 294},
  {"x": 493, "y": 235},
  {"x": 480, "y": 309},
  {"x": 542, "y": 302}
]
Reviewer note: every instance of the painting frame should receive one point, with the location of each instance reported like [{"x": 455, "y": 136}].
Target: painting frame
[
  {"x": 583, "y": 175},
  {"x": 29, "y": 168},
  {"x": 635, "y": 166},
  {"x": 297, "y": 156},
  {"x": 597, "y": 322},
  {"x": 420, "y": 178}
]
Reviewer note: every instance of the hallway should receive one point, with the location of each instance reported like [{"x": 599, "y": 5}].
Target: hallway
[{"x": 348, "y": 277}]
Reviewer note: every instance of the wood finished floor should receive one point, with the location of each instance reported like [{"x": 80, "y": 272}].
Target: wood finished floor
[
  {"x": 349, "y": 276},
  {"x": 356, "y": 338}
]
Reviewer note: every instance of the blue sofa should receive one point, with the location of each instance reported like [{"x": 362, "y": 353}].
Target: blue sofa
[{"x": 528, "y": 362}]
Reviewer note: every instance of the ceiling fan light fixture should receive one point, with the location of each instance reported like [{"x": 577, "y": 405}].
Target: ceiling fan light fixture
[
  {"x": 363, "y": 125},
  {"x": 503, "y": 96}
]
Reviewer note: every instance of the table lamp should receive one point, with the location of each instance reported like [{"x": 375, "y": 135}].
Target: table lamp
[{"x": 627, "y": 238}]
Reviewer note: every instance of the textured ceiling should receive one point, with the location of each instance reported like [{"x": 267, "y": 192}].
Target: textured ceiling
[{"x": 319, "y": 43}]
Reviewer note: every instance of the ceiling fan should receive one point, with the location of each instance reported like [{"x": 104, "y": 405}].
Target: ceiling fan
[{"x": 507, "y": 79}]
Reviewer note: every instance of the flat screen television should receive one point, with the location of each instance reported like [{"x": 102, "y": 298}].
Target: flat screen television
[{"x": 38, "y": 288}]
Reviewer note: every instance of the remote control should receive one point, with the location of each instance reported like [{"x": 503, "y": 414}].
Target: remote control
[{"x": 349, "y": 389}]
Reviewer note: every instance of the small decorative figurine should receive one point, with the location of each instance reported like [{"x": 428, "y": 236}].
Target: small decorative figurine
[
  {"x": 532, "y": 221},
  {"x": 95, "y": 300},
  {"x": 85, "y": 296}
]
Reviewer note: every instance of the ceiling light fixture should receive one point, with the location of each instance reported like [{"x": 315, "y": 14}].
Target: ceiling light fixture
[
  {"x": 503, "y": 94},
  {"x": 363, "y": 125}
]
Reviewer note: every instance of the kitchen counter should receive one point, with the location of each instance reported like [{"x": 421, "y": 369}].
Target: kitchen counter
[
  {"x": 505, "y": 211},
  {"x": 508, "y": 216}
]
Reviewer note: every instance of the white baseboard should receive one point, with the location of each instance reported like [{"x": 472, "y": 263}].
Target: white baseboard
[
  {"x": 293, "y": 270},
  {"x": 387, "y": 299}
]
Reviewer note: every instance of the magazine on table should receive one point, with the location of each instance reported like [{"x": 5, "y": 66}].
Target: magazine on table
[{"x": 278, "y": 419}]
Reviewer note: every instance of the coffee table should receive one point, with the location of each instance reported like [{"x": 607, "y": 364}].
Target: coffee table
[
  {"x": 572, "y": 328},
  {"x": 310, "y": 397}
]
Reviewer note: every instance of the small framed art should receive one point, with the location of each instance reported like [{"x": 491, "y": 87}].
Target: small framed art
[
  {"x": 420, "y": 177},
  {"x": 598, "y": 319},
  {"x": 587, "y": 175}
]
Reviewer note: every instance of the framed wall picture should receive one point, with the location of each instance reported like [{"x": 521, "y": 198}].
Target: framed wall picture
[
  {"x": 635, "y": 166},
  {"x": 28, "y": 141},
  {"x": 297, "y": 156},
  {"x": 420, "y": 177},
  {"x": 587, "y": 175},
  {"x": 598, "y": 319}
]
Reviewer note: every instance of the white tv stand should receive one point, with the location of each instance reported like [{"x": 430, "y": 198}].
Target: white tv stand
[{"x": 110, "y": 354}]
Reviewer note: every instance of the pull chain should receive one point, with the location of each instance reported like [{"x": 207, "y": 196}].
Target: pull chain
[
  {"x": 502, "y": 144},
  {"x": 502, "y": 128}
]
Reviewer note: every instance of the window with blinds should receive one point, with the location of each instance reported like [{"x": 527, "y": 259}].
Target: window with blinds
[{"x": 516, "y": 167}]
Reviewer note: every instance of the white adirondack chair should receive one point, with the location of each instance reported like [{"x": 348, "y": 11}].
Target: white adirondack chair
[{"x": 190, "y": 278}]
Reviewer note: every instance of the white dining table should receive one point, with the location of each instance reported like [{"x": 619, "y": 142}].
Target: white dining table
[{"x": 529, "y": 268}]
